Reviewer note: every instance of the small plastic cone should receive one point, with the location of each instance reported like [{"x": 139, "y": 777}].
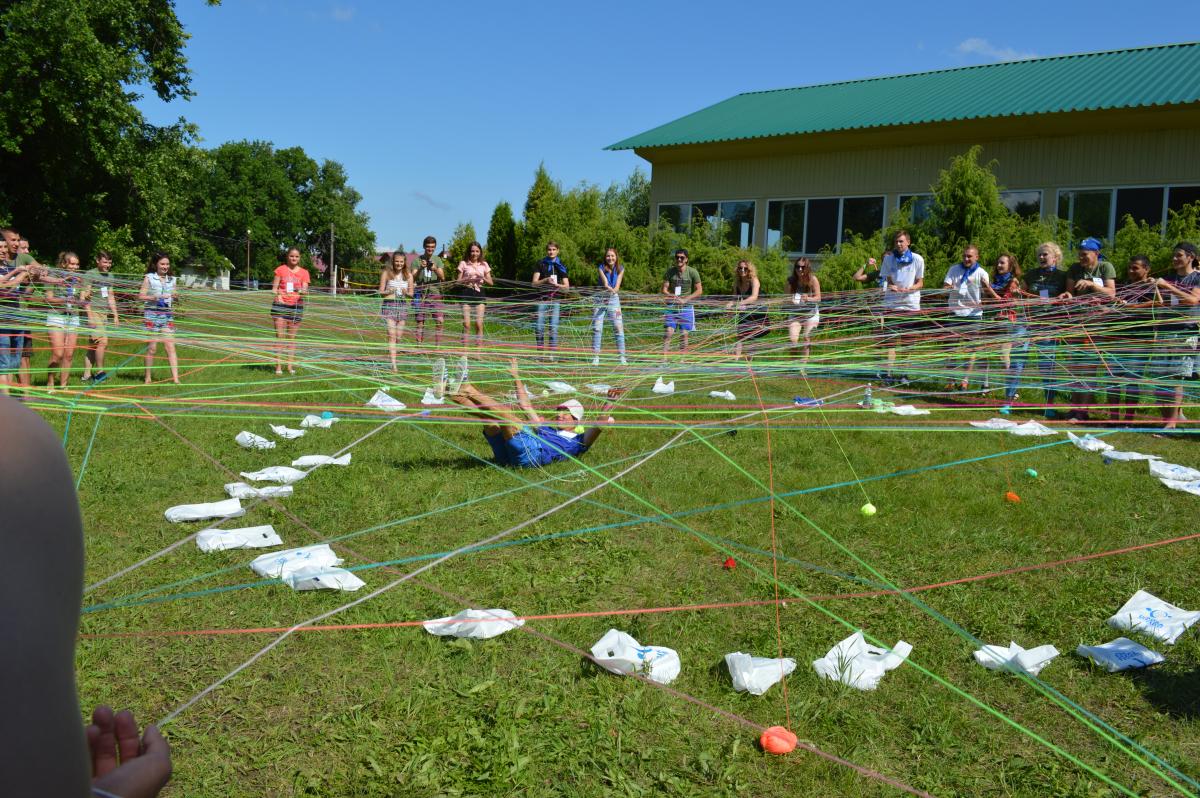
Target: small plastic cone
[{"x": 778, "y": 740}]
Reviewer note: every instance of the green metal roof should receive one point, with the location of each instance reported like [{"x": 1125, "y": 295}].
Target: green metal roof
[{"x": 1147, "y": 76}]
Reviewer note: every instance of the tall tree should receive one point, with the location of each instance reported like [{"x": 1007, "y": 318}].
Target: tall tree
[
  {"x": 462, "y": 237},
  {"x": 502, "y": 242},
  {"x": 71, "y": 140}
]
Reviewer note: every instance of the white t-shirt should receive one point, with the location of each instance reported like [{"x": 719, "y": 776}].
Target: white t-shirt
[
  {"x": 904, "y": 275},
  {"x": 966, "y": 292}
]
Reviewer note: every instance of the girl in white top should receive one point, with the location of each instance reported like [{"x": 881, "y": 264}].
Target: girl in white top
[
  {"x": 396, "y": 284},
  {"x": 62, "y": 322},
  {"x": 158, "y": 292},
  {"x": 804, "y": 304}
]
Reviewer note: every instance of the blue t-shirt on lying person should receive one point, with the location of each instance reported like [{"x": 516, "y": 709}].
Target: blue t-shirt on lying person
[{"x": 537, "y": 446}]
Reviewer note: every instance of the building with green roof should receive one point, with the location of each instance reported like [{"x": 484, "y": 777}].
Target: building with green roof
[{"x": 1090, "y": 137}]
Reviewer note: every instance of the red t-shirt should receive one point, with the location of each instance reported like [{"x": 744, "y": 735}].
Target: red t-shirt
[{"x": 290, "y": 284}]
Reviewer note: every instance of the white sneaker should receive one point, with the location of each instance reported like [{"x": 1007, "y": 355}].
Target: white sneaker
[
  {"x": 596, "y": 361},
  {"x": 439, "y": 378},
  {"x": 460, "y": 375}
]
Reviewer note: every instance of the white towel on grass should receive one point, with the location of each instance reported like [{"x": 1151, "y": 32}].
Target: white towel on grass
[{"x": 226, "y": 508}]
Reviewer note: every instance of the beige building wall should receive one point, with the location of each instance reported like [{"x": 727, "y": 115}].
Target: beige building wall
[{"x": 772, "y": 168}]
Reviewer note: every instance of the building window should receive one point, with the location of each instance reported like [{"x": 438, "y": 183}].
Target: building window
[
  {"x": 738, "y": 215},
  {"x": 1178, "y": 196},
  {"x": 1143, "y": 204},
  {"x": 1089, "y": 212},
  {"x": 921, "y": 208},
  {"x": 1023, "y": 203},
  {"x": 808, "y": 226}
]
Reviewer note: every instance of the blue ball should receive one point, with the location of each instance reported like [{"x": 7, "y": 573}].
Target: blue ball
[{"x": 327, "y": 414}]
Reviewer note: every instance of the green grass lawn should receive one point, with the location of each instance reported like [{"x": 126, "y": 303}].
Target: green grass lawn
[{"x": 393, "y": 710}]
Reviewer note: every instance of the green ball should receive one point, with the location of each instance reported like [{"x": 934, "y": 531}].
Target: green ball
[
  {"x": 867, "y": 509},
  {"x": 580, "y": 430},
  {"x": 1031, "y": 472}
]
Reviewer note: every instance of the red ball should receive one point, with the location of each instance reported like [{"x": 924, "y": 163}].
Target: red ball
[{"x": 730, "y": 563}]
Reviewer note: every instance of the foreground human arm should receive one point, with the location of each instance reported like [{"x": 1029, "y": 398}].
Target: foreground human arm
[{"x": 522, "y": 394}]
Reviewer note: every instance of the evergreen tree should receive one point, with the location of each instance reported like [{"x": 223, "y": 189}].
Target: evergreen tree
[{"x": 502, "y": 242}]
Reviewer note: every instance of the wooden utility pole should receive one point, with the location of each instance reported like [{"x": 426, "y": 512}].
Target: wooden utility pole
[{"x": 332, "y": 267}]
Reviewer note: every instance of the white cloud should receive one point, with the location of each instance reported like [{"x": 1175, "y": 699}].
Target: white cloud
[
  {"x": 342, "y": 13},
  {"x": 985, "y": 49}
]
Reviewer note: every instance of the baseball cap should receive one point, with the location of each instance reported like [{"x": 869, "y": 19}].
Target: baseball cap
[{"x": 574, "y": 408}]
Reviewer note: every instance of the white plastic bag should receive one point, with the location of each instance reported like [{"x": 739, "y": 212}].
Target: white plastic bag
[
  {"x": 1164, "y": 470},
  {"x": 320, "y": 423},
  {"x": 556, "y": 387},
  {"x": 619, "y": 653},
  {"x": 1031, "y": 428},
  {"x": 281, "y": 474},
  {"x": 1192, "y": 487},
  {"x": 1013, "y": 657},
  {"x": 755, "y": 675},
  {"x": 287, "y": 433},
  {"x": 859, "y": 665},
  {"x": 249, "y": 440},
  {"x": 430, "y": 398},
  {"x": 240, "y": 490},
  {"x": 1148, "y": 613},
  {"x": 994, "y": 423},
  {"x": 663, "y": 387},
  {"x": 598, "y": 388},
  {"x": 226, "y": 508},
  {"x": 475, "y": 624},
  {"x": 1089, "y": 443},
  {"x": 313, "y": 460},
  {"x": 1121, "y": 654},
  {"x": 901, "y": 410},
  {"x": 727, "y": 395},
  {"x": 321, "y": 577},
  {"x": 1128, "y": 456},
  {"x": 279, "y": 564},
  {"x": 386, "y": 402},
  {"x": 248, "y": 537}
]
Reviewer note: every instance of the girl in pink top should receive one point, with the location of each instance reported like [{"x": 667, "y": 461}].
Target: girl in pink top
[
  {"x": 289, "y": 287},
  {"x": 473, "y": 274}
]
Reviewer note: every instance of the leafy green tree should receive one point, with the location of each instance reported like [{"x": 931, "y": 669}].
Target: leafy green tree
[
  {"x": 460, "y": 239},
  {"x": 73, "y": 146},
  {"x": 502, "y": 242}
]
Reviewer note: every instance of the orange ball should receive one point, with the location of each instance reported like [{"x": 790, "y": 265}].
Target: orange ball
[
  {"x": 1012, "y": 497},
  {"x": 778, "y": 740}
]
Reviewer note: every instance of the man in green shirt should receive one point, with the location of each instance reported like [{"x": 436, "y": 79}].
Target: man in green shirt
[
  {"x": 681, "y": 284},
  {"x": 101, "y": 285},
  {"x": 429, "y": 272},
  {"x": 1092, "y": 276}
]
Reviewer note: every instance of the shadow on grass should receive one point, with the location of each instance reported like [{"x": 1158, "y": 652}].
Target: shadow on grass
[
  {"x": 1176, "y": 693},
  {"x": 431, "y": 460}
]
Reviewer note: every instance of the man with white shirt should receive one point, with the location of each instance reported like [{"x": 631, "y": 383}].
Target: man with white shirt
[
  {"x": 903, "y": 276},
  {"x": 965, "y": 282}
]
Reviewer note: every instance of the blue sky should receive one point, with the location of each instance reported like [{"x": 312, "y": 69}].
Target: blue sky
[{"x": 439, "y": 111}]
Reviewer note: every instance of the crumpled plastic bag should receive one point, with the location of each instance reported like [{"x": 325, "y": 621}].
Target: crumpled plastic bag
[
  {"x": 1192, "y": 487},
  {"x": 556, "y": 387},
  {"x": 598, "y": 388},
  {"x": 475, "y": 624},
  {"x": 994, "y": 423},
  {"x": 1121, "y": 654},
  {"x": 318, "y": 422},
  {"x": 281, "y": 474},
  {"x": 430, "y": 398},
  {"x": 226, "y": 508},
  {"x": 728, "y": 395},
  {"x": 278, "y": 564},
  {"x": 287, "y": 433},
  {"x": 1089, "y": 443},
  {"x": 1147, "y": 613},
  {"x": 858, "y": 664},
  {"x": 240, "y": 490},
  {"x": 386, "y": 402},
  {"x": 1128, "y": 456},
  {"x": 313, "y": 460},
  {"x": 755, "y": 675},
  {"x": 617, "y": 652},
  {"x": 1013, "y": 657},
  {"x": 663, "y": 387},
  {"x": 320, "y": 577},
  {"x": 249, "y": 440},
  {"x": 1164, "y": 470},
  {"x": 1031, "y": 428},
  {"x": 248, "y": 537},
  {"x": 899, "y": 410}
]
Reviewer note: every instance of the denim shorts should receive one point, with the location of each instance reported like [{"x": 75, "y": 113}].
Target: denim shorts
[{"x": 522, "y": 450}]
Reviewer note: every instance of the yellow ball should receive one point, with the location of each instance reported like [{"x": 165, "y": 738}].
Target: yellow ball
[{"x": 868, "y": 509}]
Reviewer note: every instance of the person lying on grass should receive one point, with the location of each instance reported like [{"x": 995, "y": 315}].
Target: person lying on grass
[{"x": 531, "y": 441}]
